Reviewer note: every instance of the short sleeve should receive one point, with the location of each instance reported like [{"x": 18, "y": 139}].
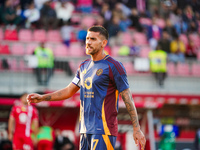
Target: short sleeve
[
  {"x": 13, "y": 112},
  {"x": 120, "y": 77},
  {"x": 76, "y": 79},
  {"x": 35, "y": 113}
]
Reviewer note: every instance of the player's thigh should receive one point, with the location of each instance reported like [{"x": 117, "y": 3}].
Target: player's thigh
[
  {"x": 97, "y": 142},
  {"x": 28, "y": 143},
  {"x": 45, "y": 145},
  {"x": 84, "y": 142},
  {"x": 17, "y": 143}
]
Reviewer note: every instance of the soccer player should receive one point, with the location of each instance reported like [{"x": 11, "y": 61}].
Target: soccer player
[
  {"x": 22, "y": 117},
  {"x": 100, "y": 79}
]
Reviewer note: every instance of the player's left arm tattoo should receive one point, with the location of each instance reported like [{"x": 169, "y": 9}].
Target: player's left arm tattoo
[{"x": 128, "y": 100}]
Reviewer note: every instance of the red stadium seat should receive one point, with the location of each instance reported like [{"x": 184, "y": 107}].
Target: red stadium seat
[
  {"x": 73, "y": 37},
  {"x": 126, "y": 38},
  {"x": 50, "y": 45},
  {"x": 195, "y": 70},
  {"x": 54, "y": 36},
  {"x": 60, "y": 50},
  {"x": 198, "y": 55},
  {"x": 129, "y": 68},
  {"x": 11, "y": 35},
  {"x": 183, "y": 69},
  {"x": 140, "y": 38},
  {"x": 88, "y": 21},
  {"x": 171, "y": 69},
  {"x": 74, "y": 65},
  {"x": 25, "y": 35},
  {"x": 145, "y": 21},
  {"x": 195, "y": 38},
  {"x": 144, "y": 51},
  {"x": 76, "y": 18},
  {"x": 115, "y": 51},
  {"x": 184, "y": 39},
  {"x": 30, "y": 47},
  {"x": 17, "y": 49},
  {"x": 1, "y": 34},
  {"x": 76, "y": 49},
  {"x": 160, "y": 22},
  {"x": 39, "y": 35},
  {"x": 4, "y": 49}
]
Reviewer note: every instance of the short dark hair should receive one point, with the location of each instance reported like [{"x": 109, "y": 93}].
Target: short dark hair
[
  {"x": 100, "y": 29},
  {"x": 25, "y": 93}
]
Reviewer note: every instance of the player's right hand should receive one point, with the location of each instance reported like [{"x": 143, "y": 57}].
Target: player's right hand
[
  {"x": 34, "y": 98},
  {"x": 10, "y": 136}
]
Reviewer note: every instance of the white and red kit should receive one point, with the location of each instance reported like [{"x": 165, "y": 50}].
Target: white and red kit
[{"x": 23, "y": 115}]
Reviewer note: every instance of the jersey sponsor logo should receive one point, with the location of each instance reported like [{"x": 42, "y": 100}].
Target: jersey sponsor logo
[
  {"x": 99, "y": 72},
  {"x": 84, "y": 71},
  {"x": 88, "y": 83},
  {"x": 89, "y": 95},
  {"x": 22, "y": 118}
]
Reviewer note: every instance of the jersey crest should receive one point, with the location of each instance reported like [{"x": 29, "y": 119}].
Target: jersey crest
[{"x": 99, "y": 72}]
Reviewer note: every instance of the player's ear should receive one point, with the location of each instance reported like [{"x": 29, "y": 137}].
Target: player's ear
[{"x": 104, "y": 43}]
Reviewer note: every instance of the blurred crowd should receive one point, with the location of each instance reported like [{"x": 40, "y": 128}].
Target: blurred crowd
[
  {"x": 163, "y": 23},
  {"x": 136, "y": 27}
]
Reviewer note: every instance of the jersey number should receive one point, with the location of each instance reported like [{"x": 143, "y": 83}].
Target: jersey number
[{"x": 95, "y": 141}]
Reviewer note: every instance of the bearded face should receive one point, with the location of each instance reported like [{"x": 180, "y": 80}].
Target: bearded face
[{"x": 94, "y": 43}]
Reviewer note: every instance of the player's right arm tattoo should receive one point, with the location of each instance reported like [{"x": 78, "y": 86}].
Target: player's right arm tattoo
[
  {"x": 47, "y": 98},
  {"x": 56, "y": 95},
  {"x": 128, "y": 100}
]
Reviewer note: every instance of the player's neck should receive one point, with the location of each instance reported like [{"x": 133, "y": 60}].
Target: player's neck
[
  {"x": 24, "y": 104},
  {"x": 98, "y": 56}
]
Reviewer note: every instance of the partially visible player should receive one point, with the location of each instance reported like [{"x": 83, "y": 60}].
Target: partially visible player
[
  {"x": 100, "y": 79},
  {"x": 22, "y": 117}
]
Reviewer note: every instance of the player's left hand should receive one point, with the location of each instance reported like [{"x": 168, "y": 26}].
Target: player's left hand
[{"x": 139, "y": 138}]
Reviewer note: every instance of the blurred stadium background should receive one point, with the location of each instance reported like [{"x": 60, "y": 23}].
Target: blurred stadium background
[{"x": 177, "y": 103}]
